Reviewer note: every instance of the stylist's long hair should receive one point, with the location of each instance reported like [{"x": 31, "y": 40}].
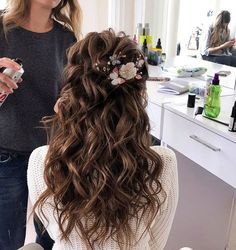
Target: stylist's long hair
[
  {"x": 100, "y": 169},
  {"x": 68, "y": 12},
  {"x": 220, "y": 28}
]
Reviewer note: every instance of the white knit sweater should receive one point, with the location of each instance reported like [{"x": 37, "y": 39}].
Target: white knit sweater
[{"x": 160, "y": 227}]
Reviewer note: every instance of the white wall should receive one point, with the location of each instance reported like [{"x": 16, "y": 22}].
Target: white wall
[
  {"x": 95, "y": 15},
  {"x": 2, "y": 4},
  {"x": 122, "y": 16}
]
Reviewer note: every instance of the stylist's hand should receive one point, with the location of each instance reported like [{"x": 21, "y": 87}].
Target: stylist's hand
[
  {"x": 227, "y": 44},
  {"x": 6, "y": 83}
]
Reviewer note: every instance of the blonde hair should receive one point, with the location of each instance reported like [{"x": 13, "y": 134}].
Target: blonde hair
[
  {"x": 68, "y": 12},
  {"x": 218, "y": 29}
]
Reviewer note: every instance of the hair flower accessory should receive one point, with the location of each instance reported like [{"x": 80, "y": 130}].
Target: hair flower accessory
[
  {"x": 114, "y": 76},
  {"x": 119, "y": 73},
  {"x": 114, "y": 60},
  {"x": 128, "y": 71}
]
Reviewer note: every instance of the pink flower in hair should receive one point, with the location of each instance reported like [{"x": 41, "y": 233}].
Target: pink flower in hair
[
  {"x": 117, "y": 81},
  {"x": 114, "y": 74}
]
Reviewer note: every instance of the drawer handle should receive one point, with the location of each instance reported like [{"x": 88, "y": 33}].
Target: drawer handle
[{"x": 196, "y": 138}]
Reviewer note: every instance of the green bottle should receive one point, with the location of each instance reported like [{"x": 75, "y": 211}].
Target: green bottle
[{"x": 212, "y": 103}]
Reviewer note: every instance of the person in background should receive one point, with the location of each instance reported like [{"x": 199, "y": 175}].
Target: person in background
[
  {"x": 217, "y": 43},
  {"x": 99, "y": 184},
  {"x": 39, "y": 33}
]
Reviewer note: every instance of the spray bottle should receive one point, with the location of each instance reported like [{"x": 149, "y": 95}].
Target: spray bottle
[
  {"x": 14, "y": 75},
  {"x": 212, "y": 103}
]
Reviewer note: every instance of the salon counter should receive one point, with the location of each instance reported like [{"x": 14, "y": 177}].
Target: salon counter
[
  {"x": 170, "y": 119},
  {"x": 205, "y": 151}
]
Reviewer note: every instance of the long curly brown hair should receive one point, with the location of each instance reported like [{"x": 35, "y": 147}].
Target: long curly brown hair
[{"x": 100, "y": 170}]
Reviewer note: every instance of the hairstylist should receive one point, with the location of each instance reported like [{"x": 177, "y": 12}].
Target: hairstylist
[{"x": 39, "y": 33}]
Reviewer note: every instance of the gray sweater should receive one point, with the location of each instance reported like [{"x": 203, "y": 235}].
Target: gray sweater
[{"x": 43, "y": 56}]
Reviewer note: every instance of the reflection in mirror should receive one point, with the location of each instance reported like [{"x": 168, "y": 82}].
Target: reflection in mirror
[
  {"x": 181, "y": 23},
  {"x": 194, "y": 21}
]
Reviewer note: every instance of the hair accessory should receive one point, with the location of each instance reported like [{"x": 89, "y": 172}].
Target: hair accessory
[{"x": 119, "y": 73}]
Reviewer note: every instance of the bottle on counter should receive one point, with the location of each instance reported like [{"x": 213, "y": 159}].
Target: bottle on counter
[
  {"x": 139, "y": 32},
  {"x": 145, "y": 34},
  {"x": 212, "y": 102},
  {"x": 145, "y": 48},
  {"x": 232, "y": 122},
  {"x": 158, "y": 46},
  {"x": 147, "y": 29},
  {"x": 159, "y": 51}
]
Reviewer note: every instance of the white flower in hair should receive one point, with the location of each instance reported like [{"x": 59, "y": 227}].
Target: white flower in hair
[{"x": 128, "y": 71}]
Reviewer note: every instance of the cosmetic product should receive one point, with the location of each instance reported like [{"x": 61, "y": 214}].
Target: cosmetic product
[
  {"x": 158, "y": 46},
  {"x": 212, "y": 102},
  {"x": 191, "y": 100},
  {"x": 159, "y": 50},
  {"x": 232, "y": 122},
  {"x": 147, "y": 29},
  {"x": 145, "y": 48},
  {"x": 139, "y": 32},
  {"x": 14, "y": 75}
]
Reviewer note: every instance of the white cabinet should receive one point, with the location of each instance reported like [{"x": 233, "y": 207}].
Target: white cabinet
[
  {"x": 154, "y": 112},
  {"x": 211, "y": 151}
]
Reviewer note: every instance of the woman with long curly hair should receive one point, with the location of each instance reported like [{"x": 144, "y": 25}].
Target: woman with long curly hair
[
  {"x": 217, "y": 43},
  {"x": 39, "y": 33},
  {"x": 99, "y": 184}
]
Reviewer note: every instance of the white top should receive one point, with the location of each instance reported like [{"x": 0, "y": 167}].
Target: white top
[{"x": 160, "y": 227}]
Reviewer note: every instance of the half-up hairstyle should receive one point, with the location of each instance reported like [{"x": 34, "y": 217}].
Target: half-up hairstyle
[
  {"x": 100, "y": 170},
  {"x": 218, "y": 28},
  {"x": 68, "y": 12}
]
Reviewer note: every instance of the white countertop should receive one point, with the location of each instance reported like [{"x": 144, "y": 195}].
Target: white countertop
[{"x": 178, "y": 103}]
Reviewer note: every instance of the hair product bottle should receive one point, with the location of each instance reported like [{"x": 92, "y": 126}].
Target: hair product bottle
[
  {"x": 212, "y": 103},
  {"x": 232, "y": 122},
  {"x": 139, "y": 32},
  {"x": 145, "y": 48},
  {"x": 147, "y": 29},
  {"x": 159, "y": 51},
  {"x": 14, "y": 75},
  {"x": 158, "y": 46}
]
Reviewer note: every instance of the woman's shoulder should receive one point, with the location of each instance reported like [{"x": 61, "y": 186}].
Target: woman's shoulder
[
  {"x": 37, "y": 158},
  {"x": 40, "y": 152},
  {"x": 169, "y": 162},
  {"x": 165, "y": 153},
  {"x": 66, "y": 35},
  {"x": 62, "y": 28}
]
